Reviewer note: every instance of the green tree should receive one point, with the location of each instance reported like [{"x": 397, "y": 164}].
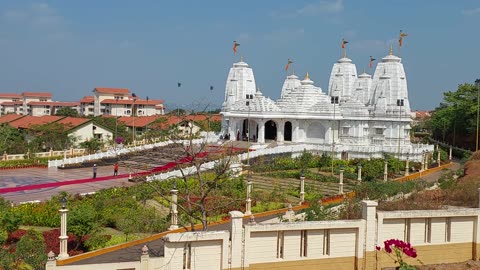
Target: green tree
[
  {"x": 51, "y": 136},
  {"x": 114, "y": 125},
  {"x": 92, "y": 145},
  {"x": 67, "y": 111},
  {"x": 454, "y": 121},
  {"x": 11, "y": 140},
  {"x": 84, "y": 220},
  {"x": 30, "y": 251}
]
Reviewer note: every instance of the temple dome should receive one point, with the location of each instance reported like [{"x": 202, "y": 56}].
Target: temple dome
[
  {"x": 344, "y": 60},
  {"x": 259, "y": 103},
  {"x": 303, "y": 98},
  {"x": 240, "y": 64}
]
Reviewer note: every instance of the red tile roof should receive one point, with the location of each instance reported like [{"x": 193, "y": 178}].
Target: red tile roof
[
  {"x": 10, "y": 95},
  {"x": 112, "y": 90},
  {"x": 73, "y": 121},
  {"x": 54, "y": 103},
  {"x": 28, "y": 121},
  {"x": 170, "y": 120},
  {"x": 87, "y": 99},
  {"x": 37, "y": 94},
  {"x": 130, "y": 101},
  {"x": 422, "y": 114},
  {"x": 9, "y": 118},
  {"x": 10, "y": 103}
]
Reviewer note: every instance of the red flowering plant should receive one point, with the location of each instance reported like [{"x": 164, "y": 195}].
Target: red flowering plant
[{"x": 397, "y": 249}]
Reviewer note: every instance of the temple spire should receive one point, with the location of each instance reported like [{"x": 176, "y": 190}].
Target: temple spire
[
  {"x": 307, "y": 77},
  {"x": 241, "y": 58},
  {"x": 391, "y": 50}
]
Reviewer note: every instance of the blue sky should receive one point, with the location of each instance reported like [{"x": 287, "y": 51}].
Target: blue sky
[{"x": 70, "y": 47}]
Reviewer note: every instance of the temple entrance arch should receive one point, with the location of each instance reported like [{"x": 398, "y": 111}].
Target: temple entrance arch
[
  {"x": 253, "y": 130},
  {"x": 287, "y": 131},
  {"x": 270, "y": 130}
]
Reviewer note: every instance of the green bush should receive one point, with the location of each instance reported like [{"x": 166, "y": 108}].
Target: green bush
[
  {"x": 39, "y": 214},
  {"x": 378, "y": 190}
]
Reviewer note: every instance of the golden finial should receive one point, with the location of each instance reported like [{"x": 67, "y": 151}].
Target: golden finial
[
  {"x": 307, "y": 77},
  {"x": 391, "y": 49},
  {"x": 364, "y": 70}
]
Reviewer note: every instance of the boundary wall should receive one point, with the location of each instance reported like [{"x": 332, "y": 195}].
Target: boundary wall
[{"x": 439, "y": 236}]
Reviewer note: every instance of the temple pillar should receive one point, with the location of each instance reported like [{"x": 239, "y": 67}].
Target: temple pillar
[
  {"x": 261, "y": 131},
  {"x": 295, "y": 130},
  {"x": 280, "y": 131}
]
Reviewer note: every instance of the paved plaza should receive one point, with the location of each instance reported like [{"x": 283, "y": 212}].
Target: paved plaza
[{"x": 36, "y": 176}]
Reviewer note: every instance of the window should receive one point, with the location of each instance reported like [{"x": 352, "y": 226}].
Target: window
[
  {"x": 345, "y": 130},
  {"x": 303, "y": 243},
  {"x": 326, "y": 242},
  {"x": 187, "y": 256},
  {"x": 280, "y": 243},
  {"x": 379, "y": 131}
]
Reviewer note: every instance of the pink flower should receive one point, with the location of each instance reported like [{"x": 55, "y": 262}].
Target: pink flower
[{"x": 378, "y": 248}]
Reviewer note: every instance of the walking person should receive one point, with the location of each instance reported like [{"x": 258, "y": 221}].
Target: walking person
[
  {"x": 94, "y": 169},
  {"x": 115, "y": 169}
]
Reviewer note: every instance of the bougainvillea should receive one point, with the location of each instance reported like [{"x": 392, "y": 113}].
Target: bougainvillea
[
  {"x": 396, "y": 249},
  {"x": 119, "y": 140}
]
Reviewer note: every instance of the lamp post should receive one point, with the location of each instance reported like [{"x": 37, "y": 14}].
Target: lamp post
[
  {"x": 333, "y": 100},
  {"x": 477, "y": 83},
  {"x": 133, "y": 121},
  {"x": 302, "y": 187},
  {"x": 248, "y": 205},
  {"x": 249, "y": 97},
  {"x": 359, "y": 178},
  {"x": 63, "y": 229},
  {"x": 407, "y": 164},
  {"x": 248, "y": 202},
  {"x": 116, "y": 117},
  {"x": 340, "y": 185},
  {"x": 173, "y": 210},
  {"x": 400, "y": 103},
  {"x": 422, "y": 163},
  {"x": 385, "y": 168}
]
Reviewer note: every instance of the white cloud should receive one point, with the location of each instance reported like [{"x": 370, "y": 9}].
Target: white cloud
[
  {"x": 38, "y": 16},
  {"x": 313, "y": 9},
  {"x": 470, "y": 12}
]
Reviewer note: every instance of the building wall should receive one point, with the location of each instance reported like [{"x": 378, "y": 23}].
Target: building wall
[
  {"x": 439, "y": 236},
  {"x": 89, "y": 131}
]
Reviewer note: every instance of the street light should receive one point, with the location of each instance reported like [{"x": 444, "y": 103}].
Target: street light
[
  {"x": 63, "y": 201},
  {"x": 400, "y": 104},
  {"x": 116, "y": 116},
  {"x": 133, "y": 118},
  {"x": 333, "y": 100},
  {"x": 248, "y": 97},
  {"x": 477, "y": 83}
]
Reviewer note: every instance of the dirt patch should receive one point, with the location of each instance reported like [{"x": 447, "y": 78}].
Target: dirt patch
[{"x": 468, "y": 265}]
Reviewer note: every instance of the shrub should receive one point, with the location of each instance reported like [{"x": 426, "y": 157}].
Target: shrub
[{"x": 28, "y": 248}]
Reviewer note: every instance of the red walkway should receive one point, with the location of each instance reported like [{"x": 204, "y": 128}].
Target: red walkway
[{"x": 163, "y": 168}]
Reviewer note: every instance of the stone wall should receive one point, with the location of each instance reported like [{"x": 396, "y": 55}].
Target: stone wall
[{"x": 439, "y": 236}]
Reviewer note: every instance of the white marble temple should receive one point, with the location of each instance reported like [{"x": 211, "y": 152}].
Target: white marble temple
[{"x": 359, "y": 115}]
